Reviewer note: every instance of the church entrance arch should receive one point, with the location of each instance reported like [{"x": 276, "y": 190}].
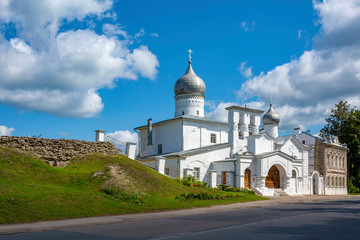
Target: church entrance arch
[
  {"x": 247, "y": 180},
  {"x": 273, "y": 178}
]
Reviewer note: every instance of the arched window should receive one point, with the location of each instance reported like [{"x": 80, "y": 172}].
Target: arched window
[
  {"x": 342, "y": 182},
  {"x": 293, "y": 174},
  {"x": 328, "y": 181},
  {"x": 240, "y": 131},
  {"x": 342, "y": 163},
  {"x": 332, "y": 181},
  {"x": 336, "y": 162},
  {"x": 241, "y": 118},
  {"x": 336, "y": 182},
  {"x": 252, "y": 120}
]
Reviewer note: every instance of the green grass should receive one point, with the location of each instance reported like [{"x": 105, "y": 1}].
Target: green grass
[{"x": 31, "y": 190}]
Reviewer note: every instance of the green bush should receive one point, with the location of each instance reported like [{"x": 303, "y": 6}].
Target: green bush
[
  {"x": 351, "y": 187},
  {"x": 207, "y": 196},
  {"x": 191, "y": 181},
  {"x": 227, "y": 188}
]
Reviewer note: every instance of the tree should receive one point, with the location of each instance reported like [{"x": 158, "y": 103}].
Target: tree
[{"x": 344, "y": 122}]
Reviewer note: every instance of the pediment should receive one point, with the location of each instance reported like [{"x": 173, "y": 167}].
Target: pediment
[{"x": 198, "y": 162}]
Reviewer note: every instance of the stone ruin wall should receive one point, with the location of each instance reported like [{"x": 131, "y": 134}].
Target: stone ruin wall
[{"x": 57, "y": 152}]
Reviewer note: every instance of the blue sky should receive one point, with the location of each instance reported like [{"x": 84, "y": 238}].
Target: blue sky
[{"x": 68, "y": 68}]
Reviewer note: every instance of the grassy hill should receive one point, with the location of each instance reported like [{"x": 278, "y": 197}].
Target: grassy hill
[{"x": 93, "y": 185}]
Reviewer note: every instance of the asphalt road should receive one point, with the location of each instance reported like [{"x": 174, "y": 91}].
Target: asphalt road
[{"x": 339, "y": 219}]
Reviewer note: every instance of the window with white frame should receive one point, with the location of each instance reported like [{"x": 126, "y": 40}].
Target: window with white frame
[{"x": 196, "y": 173}]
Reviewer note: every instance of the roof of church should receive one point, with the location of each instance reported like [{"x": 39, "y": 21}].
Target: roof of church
[
  {"x": 271, "y": 117},
  {"x": 196, "y": 150},
  {"x": 189, "y": 83},
  {"x": 187, "y": 117},
  {"x": 282, "y": 139},
  {"x": 245, "y": 109}
]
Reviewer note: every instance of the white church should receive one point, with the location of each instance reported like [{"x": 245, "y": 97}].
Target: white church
[{"x": 236, "y": 153}]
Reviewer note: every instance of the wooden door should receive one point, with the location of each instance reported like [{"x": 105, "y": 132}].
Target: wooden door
[
  {"x": 273, "y": 178},
  {"x": 224, "y": 178},
  {"x": 247, "y": 180}
]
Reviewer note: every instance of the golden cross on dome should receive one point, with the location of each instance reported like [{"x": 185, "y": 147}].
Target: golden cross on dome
[{"x": 190, "y": 52}]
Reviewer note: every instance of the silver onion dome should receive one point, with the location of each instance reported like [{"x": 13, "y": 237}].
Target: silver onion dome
[
  {"x": 189, "y": 83},
  {"x": 271, "y": 117}
]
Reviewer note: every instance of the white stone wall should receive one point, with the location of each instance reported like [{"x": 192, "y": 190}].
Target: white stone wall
[
  {"x": 258, "y": 145},
  {"x": 168, "y": 134},
  {"x": 336, "y": 191},
  {"x": 309, "y": 141},
  {"x": 173, "y": 166},
  {"x": 189, "y": 105},
  {"x": 198, "y": 134},
  {"x": 221, "y": 167},
  {"x": 292, "y": 149},
  {"x": 204, "y": 161}
]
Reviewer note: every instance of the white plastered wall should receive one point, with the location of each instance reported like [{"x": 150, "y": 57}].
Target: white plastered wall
[
  {"x": 198, "y": 134},
  {"x": 204, "y": 161},
  {"x": 258, "y": 145},
  {"x": 167, "y": 134}
]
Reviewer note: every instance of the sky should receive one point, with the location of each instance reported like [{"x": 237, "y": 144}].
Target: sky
[{"x": 69, "y": 67}]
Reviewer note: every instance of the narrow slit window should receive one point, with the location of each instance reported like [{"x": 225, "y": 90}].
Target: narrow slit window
[{"x": 213, "y": 138}]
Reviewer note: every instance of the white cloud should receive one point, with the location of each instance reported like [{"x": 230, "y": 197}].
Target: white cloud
[
  {"x": 64, "y": 134},
  {"x": 119, "y": 138},
  {"x": 300, "y": 32},
  {"x": 141, "y": 33},
  {"x": 305, "y": 89},
  {"x": 143, "y": 62},
  {"x": 5, "y": 131},
  {"x": 45, "y": 70},
  {"x": 248, "y": 27},
  {"x": 112, "y": 30},
  {"x": 154, "y": 35},
  {"x": 244, "y": 70},
  {"x": 217, "y": 111}
]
